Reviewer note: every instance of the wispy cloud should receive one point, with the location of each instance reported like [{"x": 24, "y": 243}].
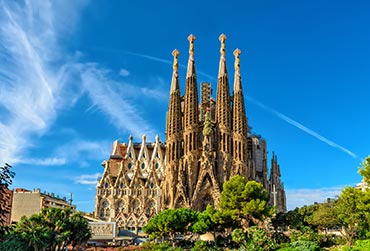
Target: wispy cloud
[
  {"x": 27, "y": 84},
  {"x": 165, "y": 61},
  {"x": 124, "y": 72},
  {"x": 83, "y": 150},
  {"x": 307, "y": 196},
  {"x": 104, "y": 94},
  {"x": 88, "y": 179},
  {"x": 54, "y": 161},
  {"x": 301, "y": 127},
  {"x": 38, "y": 79}
]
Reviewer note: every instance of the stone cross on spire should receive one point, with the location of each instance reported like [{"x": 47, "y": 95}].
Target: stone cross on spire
[{"x": 222, "y": 39}]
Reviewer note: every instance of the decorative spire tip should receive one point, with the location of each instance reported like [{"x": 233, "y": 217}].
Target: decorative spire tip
[
  {"x": 175, "y": 54},
  {"x": 237, "y": 53},
  {"x": 222, "y": 39},
  {"x": 191, "y": 39}
]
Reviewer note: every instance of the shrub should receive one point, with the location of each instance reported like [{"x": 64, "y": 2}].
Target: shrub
[{"x": 304, "y": 246}]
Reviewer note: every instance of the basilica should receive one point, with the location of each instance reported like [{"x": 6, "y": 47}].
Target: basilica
[{"x": 208, "y": 140}]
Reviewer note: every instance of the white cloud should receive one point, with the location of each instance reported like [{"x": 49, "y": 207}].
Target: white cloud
[
  {"x": 80, "y": 151},
  {"x": 124, "y": 73},
  {"x": 307, "y": 196},
  {"x": 55, "y": 161},
  {"x": 88, "y": 179},
  {"x": 104, "y": 94},
  {"x": 40, "y": 79},
  {"x": 27, "y": 84}
]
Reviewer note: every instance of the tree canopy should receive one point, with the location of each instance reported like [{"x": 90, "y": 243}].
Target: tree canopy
[
  {"x": 169, "y": 222},
  {"x": 51, "y": 229},
  {"x": 245, "y": 201}
]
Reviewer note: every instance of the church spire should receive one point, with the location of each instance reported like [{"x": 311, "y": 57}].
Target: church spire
[
  {"x": 239, "y": 125},
  {"x": 223, "y": 114},
  {"x": 174, "y": 125},
  {"x": 191, "y": 137}
]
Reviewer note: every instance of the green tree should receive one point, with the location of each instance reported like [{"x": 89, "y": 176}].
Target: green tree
[
  {"x": 169, "y": 222},
  {"x": 307, "y": 214},
  {"x": 6, "y": 179},
  {"x": 352, "y": 212},
  {"x": 365, "y": 169},
  {"x": 51, "y": 229},
  {"x": 325, "y": 216},
  {"x": 245, "y": 201},
  {"x": 255, "y": 239},
  {"x": 212, "y": 220}
]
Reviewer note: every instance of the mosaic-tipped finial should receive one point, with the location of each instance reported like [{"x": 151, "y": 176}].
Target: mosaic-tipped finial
[
  {"x": 175, "y": 54},
  {"x": 237, "y": 53},
  {"x": 222, "y": 39},
  {"x": 191, "y": 39}
]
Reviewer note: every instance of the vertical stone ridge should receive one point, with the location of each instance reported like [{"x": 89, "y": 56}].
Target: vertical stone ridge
[
  {"x": 173, "y": 137},
  {"x": 223, "y": 117},
  {"x": 191, "y": 138},
  {"x": 239, "y": 125}
]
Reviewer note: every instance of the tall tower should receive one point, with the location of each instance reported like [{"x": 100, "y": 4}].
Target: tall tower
[
  {"x": 173, "y": 136},
  {"x": 223, "y": 117},
  {"x": 239, "y": 126},
  {"x": 277, "y": 192},
  {"x": 190, "y": 168}
]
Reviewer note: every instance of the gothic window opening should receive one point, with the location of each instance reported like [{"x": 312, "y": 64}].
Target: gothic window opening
[
  {"x": 129, "y": 165},
  {"x": 143, "y": 166},
  {"x": 136, "y": 207},
  {"x": 104, "y": 209},
  {"x": 106, "y": 185},
  {"x": 120, "y": 207}
]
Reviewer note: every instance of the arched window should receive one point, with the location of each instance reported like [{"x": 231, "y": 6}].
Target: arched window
[
  {"x": 105, "y": 209},
  {"x": 142, "y": 165},
  {"x": 120, "y": 207},
  {"x": 151, "y": 208},
  {"x": 136, "y": 207},
  {"x": 129, "y": 165}
]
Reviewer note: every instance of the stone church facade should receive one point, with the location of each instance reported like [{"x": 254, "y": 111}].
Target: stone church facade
[{"x": 207, "y": 142}]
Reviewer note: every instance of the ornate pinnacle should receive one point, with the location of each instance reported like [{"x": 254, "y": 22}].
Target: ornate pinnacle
[
  {"x": 175, "y": 54},
  {"x": 222, "y": 38},
  {"x": 191, "y": 39},
  {"x": 237, "y": 53}
]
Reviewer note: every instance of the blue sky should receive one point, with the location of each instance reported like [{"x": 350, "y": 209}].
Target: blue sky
[{"x": 77, "y": 75}]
